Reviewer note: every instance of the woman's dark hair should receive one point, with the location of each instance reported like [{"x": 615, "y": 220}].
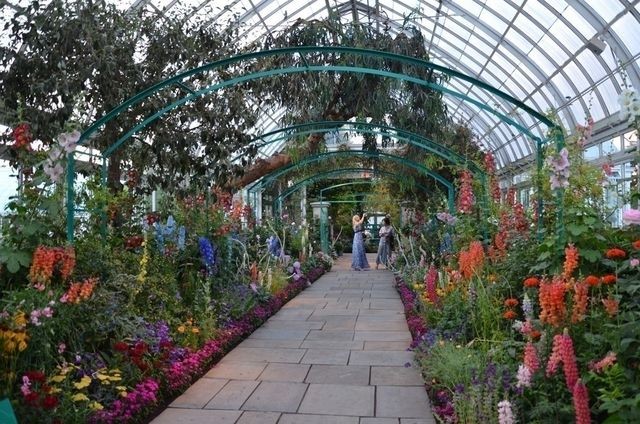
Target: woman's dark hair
[{"x": 386, "y": 221}]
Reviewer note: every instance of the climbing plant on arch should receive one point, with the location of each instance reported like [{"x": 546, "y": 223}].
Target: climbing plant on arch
[{"x": 367, "y": 62}]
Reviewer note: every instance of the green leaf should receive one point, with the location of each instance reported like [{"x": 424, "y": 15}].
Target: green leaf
[
  {"x": 577, "y": 230},
  {"x": 590, "y": 255},
  {"x": 625, "y": 343}
]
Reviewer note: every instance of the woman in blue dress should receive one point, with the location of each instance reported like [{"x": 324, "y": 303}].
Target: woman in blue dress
[
  {"x": 359, "y": 261},
  {"x": 385, "y": 246}
]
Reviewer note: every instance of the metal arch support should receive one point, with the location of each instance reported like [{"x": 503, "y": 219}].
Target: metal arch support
[
  {"x": 301, "y": 50},
  {"x": 412, "y": 138},
  {"x": 336, "y": 172},
  {"x": 270, "y": 178}
]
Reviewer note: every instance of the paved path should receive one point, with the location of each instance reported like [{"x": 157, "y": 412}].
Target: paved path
[{"x": 335, "y": 354}]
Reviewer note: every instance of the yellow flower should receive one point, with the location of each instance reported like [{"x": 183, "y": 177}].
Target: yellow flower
[
  {"x": 58, "y": 378},
  {"x": 96, "y": 406},
  {"x": 121, "y": 388},
  {"x": 114, "y": 377},
  {"x": 9, "y": 345},
  {"x": 195, "y": 330},
  {"x": 79, "y": 397},
  {"x": 20, "y": 319},
  {"x": 181, "y": 329},
  {"x": 84, "y": 382},
  {"x": 55, "y": 390},
  {"x": 123, "y": 394},
  {"x": 101, "y": 376}
]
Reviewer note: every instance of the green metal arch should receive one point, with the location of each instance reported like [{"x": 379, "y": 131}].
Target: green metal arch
[
  {"x": 412, "y": 138},
  {"x": 295, "y": 187},
  {"x": 271, "y": 177},
  {"x": 178, "y": 80},
  {"x": 294, "y": 70}
]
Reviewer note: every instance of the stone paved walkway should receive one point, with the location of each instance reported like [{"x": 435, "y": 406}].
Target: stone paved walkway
[{"x": 335, "y": 354}]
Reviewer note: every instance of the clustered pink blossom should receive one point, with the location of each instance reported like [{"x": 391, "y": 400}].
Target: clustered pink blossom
[
  {"x": 581, "y": 403},
  {"x": 604, "y": 363},
  {"x": 523, "y": 376},
  {"x": 560, "y": 172},
  {"x": 144, "y": 395},
  {"x": 505, "y": 412},
  {"x": 531, "y": 357},
  {"x": 631, "y": 216},
  {"x": 465, "y": 195},
  {"x": 490, "y": 167}
]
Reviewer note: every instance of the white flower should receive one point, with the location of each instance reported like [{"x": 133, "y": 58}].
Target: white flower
[
  {"x": 54, "y": 172},
  {"x": 505, "y": 413},
  {"x": 523, "y": 376},
  {"x": 69, "y": 141}
]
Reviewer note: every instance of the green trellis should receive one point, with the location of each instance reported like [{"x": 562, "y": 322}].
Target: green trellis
[
  {"x": 324, "y": 241},
  {"x": 181, "y": 81}
]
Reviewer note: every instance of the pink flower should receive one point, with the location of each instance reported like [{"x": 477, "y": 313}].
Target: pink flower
[
  {"x": 61, "y": 348},
  {"x": 631, "y": 216},
  {"x": 556, "y": 355},
  {"x": 634, "y": 262},
  {"x": 569, "y": 364},
  {"x": 604, "y": 363},
  {"x": 581, "y": 403},
  {"x": 531, "y": 357},
  {"x": 523, "y": 376},
  {"x": 47, "y": 312},
  {"x": 25, "y": 388},
  {"x": 505, "y": 412}
]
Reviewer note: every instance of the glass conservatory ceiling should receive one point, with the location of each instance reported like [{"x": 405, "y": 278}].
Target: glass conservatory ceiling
[
  {"x": 572, "y": 56},
  {"x": 539, "y": 51}
]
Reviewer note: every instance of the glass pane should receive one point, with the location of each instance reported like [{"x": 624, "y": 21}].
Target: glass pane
[
  {"x": 592, "y": 152},
  {"x": 628, "y": 30},
  {"x": 611, "y": 146}
]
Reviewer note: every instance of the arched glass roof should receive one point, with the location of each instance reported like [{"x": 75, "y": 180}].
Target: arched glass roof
[{"x": 572, "y": 56}]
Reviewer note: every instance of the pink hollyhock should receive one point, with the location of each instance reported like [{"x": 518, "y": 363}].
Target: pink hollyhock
[{"x": 631, "y": 216}]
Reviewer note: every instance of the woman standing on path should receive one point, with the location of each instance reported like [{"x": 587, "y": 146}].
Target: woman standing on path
[
  {"x": 359, "y": 261},
  {"x": 385, "y": 245}
]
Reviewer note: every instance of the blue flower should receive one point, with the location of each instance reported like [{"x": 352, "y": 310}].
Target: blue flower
[
  {"x": 170, "y": 227},
  {"x": 208, "y": 252},
  {"x": 273, "y": 245},
  {"x": 159, "y": 237},
  {"x": 182, "y": 234}
]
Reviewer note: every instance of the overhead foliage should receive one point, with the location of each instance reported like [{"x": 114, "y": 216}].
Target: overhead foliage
[{"x": 69, "y": 62}]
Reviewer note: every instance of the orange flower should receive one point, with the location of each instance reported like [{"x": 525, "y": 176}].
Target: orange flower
[
  {"x": 592, "y": 280},
  {"x": 471, "y": 260},
  {"x": 531, "y": 282},
  {"x": 571, "y": 260},
  {"x": 611, "y": 306},
  {"x": 609, "y": 279},
  {"x": 615, "y": 254},
  {"x": 535, "y": 334},
  {"x": 636, "y": 244},
  {"x": 509, "y": 315},
  {"x": 580, "y": 302},
  {"x": 511, "y": 303},
  {"x": 552, "y": 306}
]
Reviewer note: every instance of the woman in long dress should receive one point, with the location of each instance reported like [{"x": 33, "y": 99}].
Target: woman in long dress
[
  {"x": 359, "y": 261},
  {"x": 384, "y": 247}
]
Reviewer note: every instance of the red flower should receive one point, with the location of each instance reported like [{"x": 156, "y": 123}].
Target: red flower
[
  {"x": 31, "y": 398},
  {"x": 509, "y": 315},
  {"x": 511, "y": 303},
  {"x": 36, "y": 376},
  {"x": 535, "y": 334},
  {"x": 636, "y": 244},
  {"x": 609, "y": 279},
  {"x": 531, "y": 282},
  {"x": 49, "y": 402},
  {"x": 592, "y": 280},
  {"x": 121, "y": 346},
  {"x": 615, "y": 254}
]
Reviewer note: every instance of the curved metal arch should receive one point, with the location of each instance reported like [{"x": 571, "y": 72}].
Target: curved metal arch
[
  {"x": 315, "y": 68},
  {"x": 412, "y": 138},
  {"x": 177, "y": 80},
  {"x": 298, "y": 185},
  {"x": 271, "y": 177}
]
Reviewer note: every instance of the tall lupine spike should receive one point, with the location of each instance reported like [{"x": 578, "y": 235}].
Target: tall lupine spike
[
  {"x": 556, "y": 355},
  {"x": 581, "y": 403},
  {"x": 531, "y": 357},
  {"x": 569, "y": 364}
]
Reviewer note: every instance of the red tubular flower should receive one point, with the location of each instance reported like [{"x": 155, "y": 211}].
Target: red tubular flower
[
  {"x": 592, "y": 280},
  {"x": 636, "y": 244},
  {"x": 581, "y": 403},
  {"x": 36, "y": 376},
  {"x": 531, "y": 282},
  {"x": 511, "y": 302},
  {"x": 552, "y": 305},
  {"x": 509, "y": 315},
  {"x": 430, "y": 284},
  {"x": 570, "y": 261},
  {"x": 609, "y": 279},
  {"x": 580, "y": 302},
  {"x": 616, "y": 254}
]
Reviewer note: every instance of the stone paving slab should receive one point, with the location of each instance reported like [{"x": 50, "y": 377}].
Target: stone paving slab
[
  {"x": 196, "y": 416},
  {"x": 276, "y": 396},
  {"x": 339, "y": 374},
  {"x": 253, "y": 417},
  {"x": 335, "y": 354},
  {"x": 232, "y": 395},
  {"x": 237, "y": 370},
  {"x": 334, "y": 399},
  {"x": 285, "y": 372}
]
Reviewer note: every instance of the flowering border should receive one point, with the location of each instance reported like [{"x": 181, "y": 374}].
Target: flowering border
[{"x": 147, "y": 399}]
